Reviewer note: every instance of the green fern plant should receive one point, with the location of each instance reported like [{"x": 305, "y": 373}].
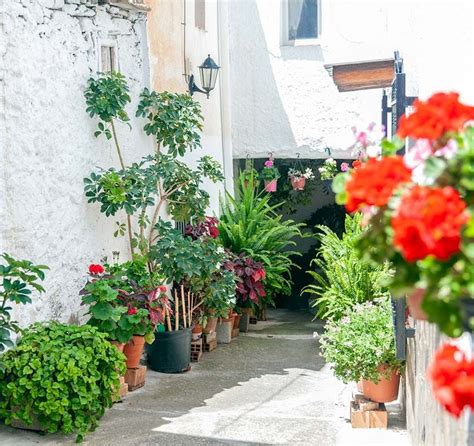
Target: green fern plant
[
  {"x": 341, "y": 278},
  {"x": 250, "y": 225}
]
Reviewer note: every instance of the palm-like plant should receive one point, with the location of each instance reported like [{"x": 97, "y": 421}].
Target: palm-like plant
[
  {"x": 342, "y": 279},
  {"x": 250, "y": 225}
]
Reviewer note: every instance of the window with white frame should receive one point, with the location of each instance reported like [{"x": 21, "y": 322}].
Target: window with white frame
[
  {"x": 108, "y": 59},
  {"x": 303, "y": 19}
]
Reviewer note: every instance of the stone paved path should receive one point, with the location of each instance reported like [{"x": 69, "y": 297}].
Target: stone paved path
[{"x": 268, "y": 387}]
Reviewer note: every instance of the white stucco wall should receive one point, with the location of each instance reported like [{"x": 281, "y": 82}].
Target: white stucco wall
[
  {"x": 48, "y": 145},
  {"x": 283, "y": 99}
]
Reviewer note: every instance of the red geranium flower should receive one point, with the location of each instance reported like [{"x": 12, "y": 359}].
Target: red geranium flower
[
  {"x": 96, "y": 269},
  {"x": 452, "y": 377},
  {"x": 131, "y": 311},
  {"x": 428, "y": 222},
  {"x": 373, "y": 183},
  {"x": 441, "y": 113},
  {"x": 163, "y": 289},
  {"x": 356, "y": 164}
]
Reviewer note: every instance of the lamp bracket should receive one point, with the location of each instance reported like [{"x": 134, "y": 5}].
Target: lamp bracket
[{"x": 193, "y": 88}]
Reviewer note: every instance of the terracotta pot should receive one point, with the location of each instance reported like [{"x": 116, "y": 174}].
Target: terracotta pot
[
  {"x": 196, "y": 332},
  {"x": 414, "y": 301},
  {"x": 298, "y": 183},
  {"x": 118, "y": 345},
  {"x": 385, "y": 390},
  {"x": 211, "y": 325},
  {"x": 360, "y": 386},
  {"x": 133, "y": 351},
  {"x": 236, "y": 320},
  {"x": 271, "y": 186}
]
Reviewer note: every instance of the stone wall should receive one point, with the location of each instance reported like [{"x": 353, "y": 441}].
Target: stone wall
[
  {"x": 50, "y": 48},
  {"x": 427, "y": 423}
]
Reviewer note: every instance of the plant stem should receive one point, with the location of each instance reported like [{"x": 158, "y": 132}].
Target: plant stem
[{"x": 122, "y": 164}]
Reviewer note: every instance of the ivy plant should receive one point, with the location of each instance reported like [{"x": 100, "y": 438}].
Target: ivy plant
[
  {"x": 18, "y": 279},
  {"x": 61, "y": 376}
]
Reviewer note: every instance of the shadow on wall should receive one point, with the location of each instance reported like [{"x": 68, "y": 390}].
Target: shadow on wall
[{"x": 254, "y": 86}]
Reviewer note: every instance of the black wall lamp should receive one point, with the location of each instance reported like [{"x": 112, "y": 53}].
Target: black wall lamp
[{"x": 208, "y": 71}]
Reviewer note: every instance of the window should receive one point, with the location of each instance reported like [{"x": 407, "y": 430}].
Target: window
[
  {"x": 303, "y": 19},
  {"x": 200, "y": 14},
  {"x": 108, "y": 60}
]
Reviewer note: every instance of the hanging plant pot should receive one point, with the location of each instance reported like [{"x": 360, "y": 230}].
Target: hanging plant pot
[
  {"x": 385, "y": 390},
  {"x": 170, "y": 352},
  {"x": 298, "y": 183},
  {"x": 466, "y": 305},
  {"x": 133, "y": 351},
  {"x": 414, "y": 301},
  {"x": 271, "y": 186}
]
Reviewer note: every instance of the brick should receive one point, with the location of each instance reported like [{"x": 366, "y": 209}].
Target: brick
[
  {"x": 368, "y": 419},
  {"x": 135, "y": 378}
]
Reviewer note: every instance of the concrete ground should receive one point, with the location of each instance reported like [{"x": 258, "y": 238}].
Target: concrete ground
[{"x": 268, "y": 387}]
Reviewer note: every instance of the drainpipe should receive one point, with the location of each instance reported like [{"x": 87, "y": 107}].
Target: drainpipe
[{"x": 225, "y": 93}]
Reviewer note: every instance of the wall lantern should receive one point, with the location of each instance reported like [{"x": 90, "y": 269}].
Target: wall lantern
[{"x": 208, "y": 71}]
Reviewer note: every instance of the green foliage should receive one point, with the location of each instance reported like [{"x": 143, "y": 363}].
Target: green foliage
[
  {"x": 18, "y": 279},
  {"x": 250, "y": 225},
  {"x": 197, "y": 264},
  {"x": 174, "y": 119},
  {"x": 63, "y": 376},
  {"x": 361, "y": 341},
  {"x": 342, "y": 278},
  {"x": 106, "y": 98}
]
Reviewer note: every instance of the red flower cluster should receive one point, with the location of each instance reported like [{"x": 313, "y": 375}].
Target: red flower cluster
[
  {"x": 96, "y": 269},
  {"x": 441, "y": 113},
  {"x": 163, "y": 289},
  {"x": 428, "y": 222},
  {"x": 452, "y": 377},
  {"x": 131, "y": 311},
  {"x": 373, "y": 182},
  {"x": 356, "y": 164}
]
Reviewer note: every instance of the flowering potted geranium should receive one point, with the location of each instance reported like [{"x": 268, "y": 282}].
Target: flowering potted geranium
[
  {"x": 298, "y": 177},
  {"x": 270, "y": 175},
  {"x": 420, "y": 207}
]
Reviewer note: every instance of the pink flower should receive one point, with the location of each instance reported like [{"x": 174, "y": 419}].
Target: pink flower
[
  {"x": 418, "y": 154},
  {"x": 344, "y": 167},
  {"x": 269, "y": 163}
]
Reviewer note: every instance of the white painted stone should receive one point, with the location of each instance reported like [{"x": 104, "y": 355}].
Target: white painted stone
[{"x": 47, "y": 145}]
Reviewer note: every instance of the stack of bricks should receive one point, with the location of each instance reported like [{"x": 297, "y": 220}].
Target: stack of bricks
[
  {"x": 368, "y": 414},
  {"x": 135, "y": 378},
  {"x": 210, "y": 341},
  {"x": 196, "y": 350}
]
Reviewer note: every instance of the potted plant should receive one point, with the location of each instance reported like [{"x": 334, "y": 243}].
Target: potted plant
[
  {"x": 270, "y": 175},
  {"x": 60, "y": 378},
  {"x": 328, "y": 170},
  {"x": 420, "y": 206},
  {"x": 194, "y": 266},
  {"x": 18, "y": 278},
  {"x": 126, "y": 302},
  {"x": 361, "y": 346},
  {"x": 298, "y": 177}
]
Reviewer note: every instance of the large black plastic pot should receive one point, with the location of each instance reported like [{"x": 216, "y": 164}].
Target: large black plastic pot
[{"x": 170, "y": 352}]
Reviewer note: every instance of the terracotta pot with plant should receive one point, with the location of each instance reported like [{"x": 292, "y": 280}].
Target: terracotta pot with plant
[
  {"x": 270, "y": 175},
  {"x": 299, "y": 177},
  {"x": 361, "y": 346}
]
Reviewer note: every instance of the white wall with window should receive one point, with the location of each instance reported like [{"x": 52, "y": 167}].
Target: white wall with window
[{"x": 283, "y": 99}]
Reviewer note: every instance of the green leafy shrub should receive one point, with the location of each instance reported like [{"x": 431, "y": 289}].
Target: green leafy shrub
[
  {"x": 361, "y": 341},
  {"x": 250, "y": 225},
  {"x": 63, "y": 376},
  {"x": 17, "y": 279},
  {"x": 342, "y": 278}
]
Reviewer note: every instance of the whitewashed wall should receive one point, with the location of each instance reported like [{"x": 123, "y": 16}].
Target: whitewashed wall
[
  {"x": 49, "y": 50},
  {"x": 283, "y": 99}
]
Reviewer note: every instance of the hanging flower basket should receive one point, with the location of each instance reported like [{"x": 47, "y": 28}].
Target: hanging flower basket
[
  {"x": 298, "y": 183},
  {"x": 271, "y": 185}
]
